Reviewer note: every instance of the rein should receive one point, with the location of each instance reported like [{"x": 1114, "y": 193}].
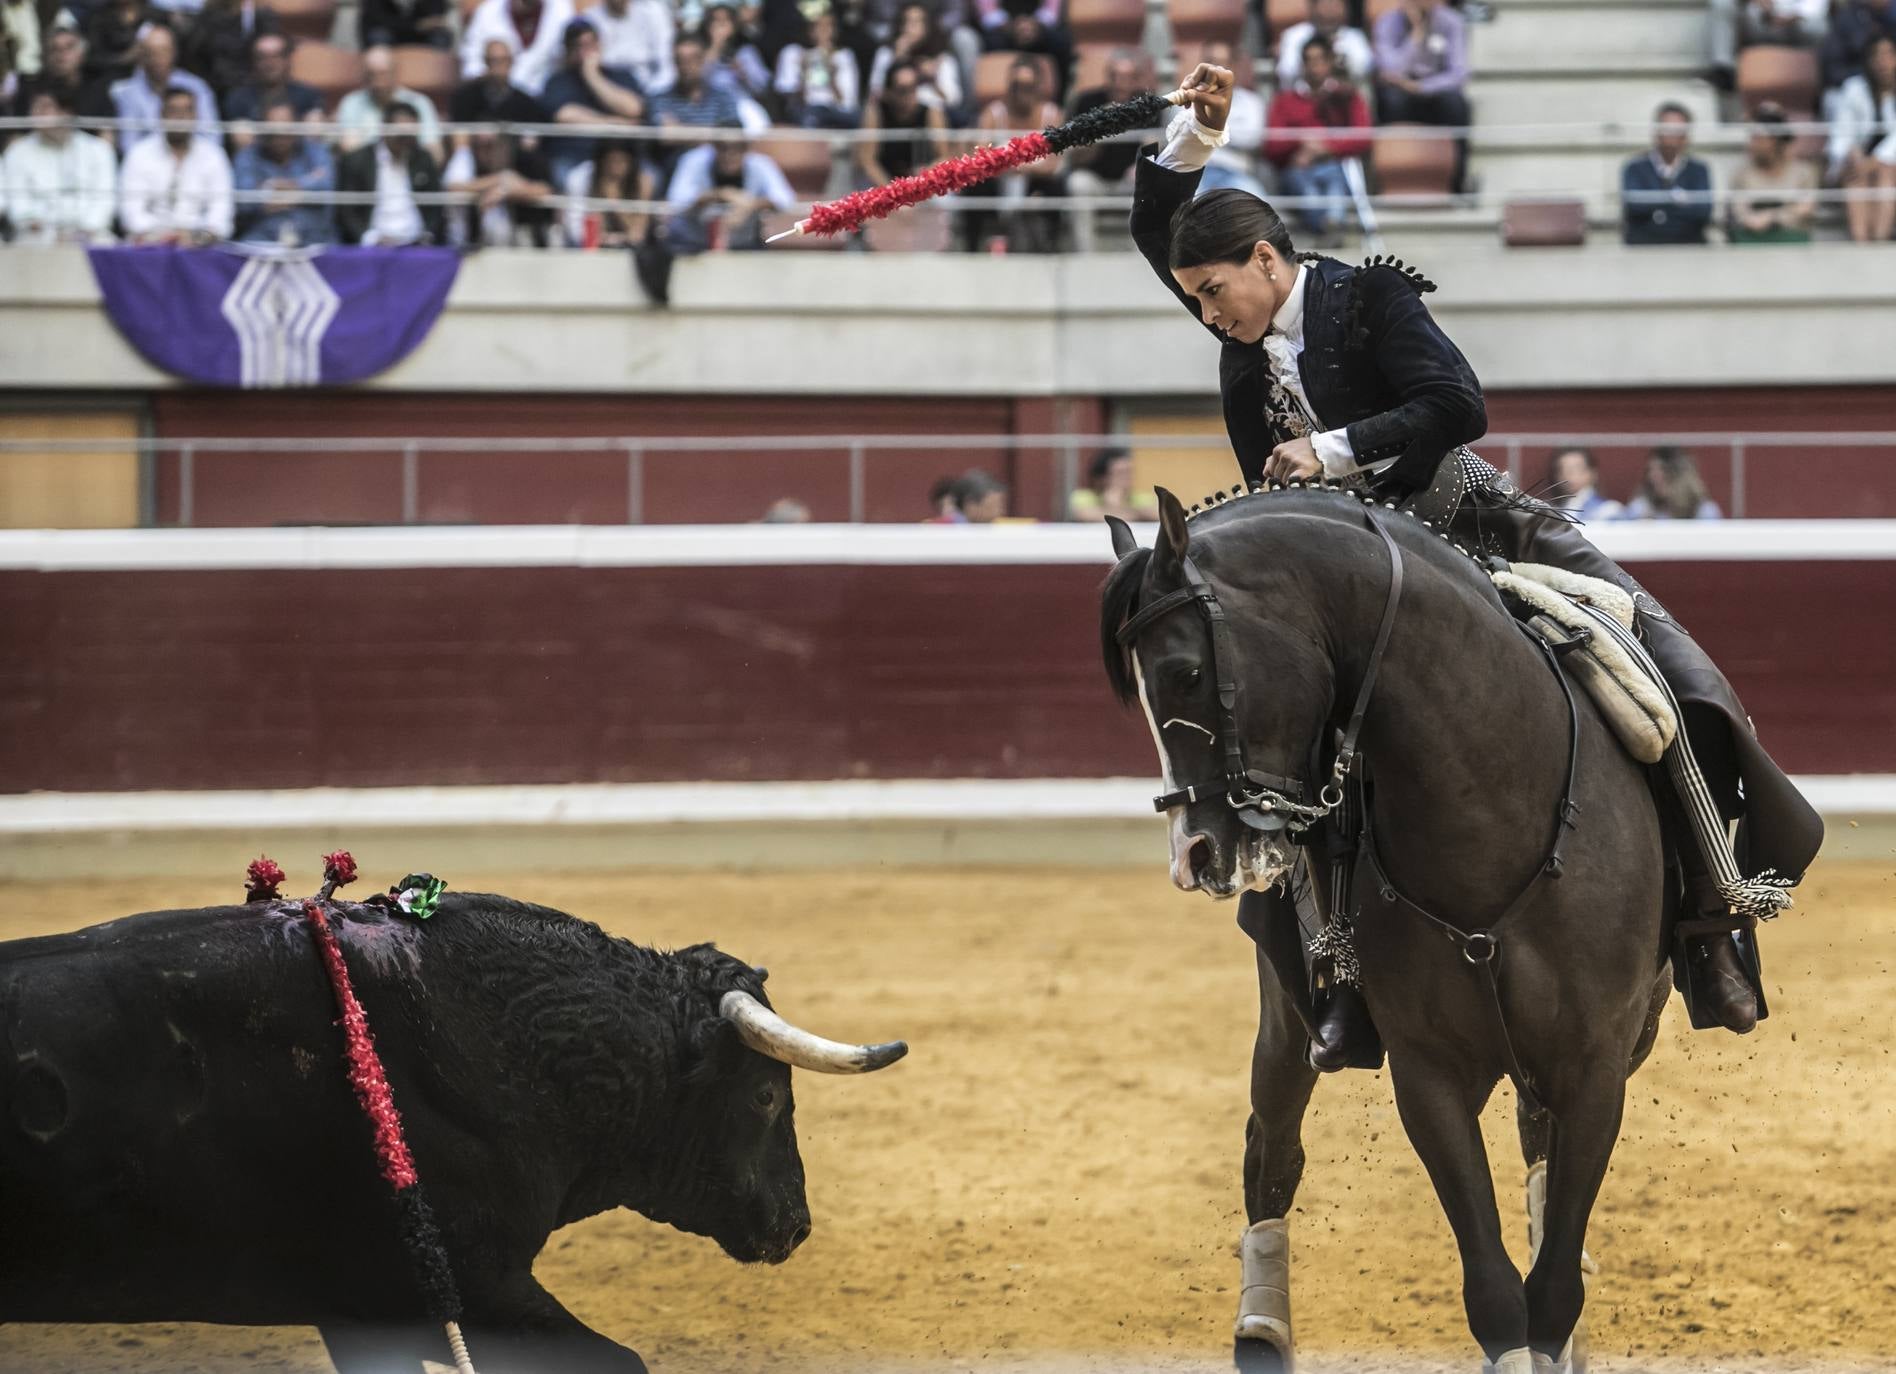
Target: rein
[{"x": 1265, "y": 801}]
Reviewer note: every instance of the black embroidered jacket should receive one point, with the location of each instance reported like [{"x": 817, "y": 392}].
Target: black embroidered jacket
[{"x": 1373, "y": 358}]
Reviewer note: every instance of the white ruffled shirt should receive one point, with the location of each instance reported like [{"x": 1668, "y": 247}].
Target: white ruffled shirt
[{"x": 1188, "y": 146}]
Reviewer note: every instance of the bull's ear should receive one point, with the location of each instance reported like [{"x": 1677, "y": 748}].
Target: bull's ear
[
  {"x": 1174, "y": 536},
  {"x": 1123, "y": 542}
]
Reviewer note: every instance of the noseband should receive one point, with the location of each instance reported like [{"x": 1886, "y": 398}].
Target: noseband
[{"x": 1262, "y": 800}]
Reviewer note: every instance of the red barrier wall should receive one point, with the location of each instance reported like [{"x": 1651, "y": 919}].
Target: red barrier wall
[{"x": 271, "y": 678}]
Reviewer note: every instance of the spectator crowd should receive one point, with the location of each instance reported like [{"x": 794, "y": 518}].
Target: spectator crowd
[{"x": 206, "y": 108}]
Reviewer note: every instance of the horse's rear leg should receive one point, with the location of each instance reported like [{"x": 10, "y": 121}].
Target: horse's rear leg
[
  {"x": 1589, "y": 1122},
  {"x": 1281, "y": 1082},
  {"x": 1441, "y": 1115}
]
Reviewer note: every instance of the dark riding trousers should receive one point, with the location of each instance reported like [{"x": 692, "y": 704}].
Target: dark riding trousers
[{"x": 1374, "y": 360}]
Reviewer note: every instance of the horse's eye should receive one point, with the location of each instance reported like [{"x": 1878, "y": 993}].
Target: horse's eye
[{"x": 1191, "y": 678}]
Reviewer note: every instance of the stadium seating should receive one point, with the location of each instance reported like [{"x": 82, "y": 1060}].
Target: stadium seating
[
  {"x": 1544, "y": 223},
  {"x": 306, "y": 18},
  {"x": 1787, "y": 75},
  {"x": 1090, "y": 62},
  {"x": 332, "y": 70},
  {"x": 1411, "y": 160},
  {"x": 805, "y": 162},
  {"x": 432, "y": 71},
  {"x": 990, "y": 75},
  {"x": 1196, "y": 22},
  {"x": 1117, "y": 22}
]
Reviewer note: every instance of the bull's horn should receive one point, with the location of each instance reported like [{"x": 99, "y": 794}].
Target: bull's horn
[{"x": 768, "y": 1033}]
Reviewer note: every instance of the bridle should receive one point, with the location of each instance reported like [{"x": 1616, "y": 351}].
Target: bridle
[{"x": 1265, "y": 801}]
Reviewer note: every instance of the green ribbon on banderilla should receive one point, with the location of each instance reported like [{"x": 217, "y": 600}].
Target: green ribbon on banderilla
[{"x": 418, "y": 894}]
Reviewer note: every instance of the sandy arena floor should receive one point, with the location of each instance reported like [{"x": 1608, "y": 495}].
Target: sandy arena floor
[{"x": 1051, "y": 1179}]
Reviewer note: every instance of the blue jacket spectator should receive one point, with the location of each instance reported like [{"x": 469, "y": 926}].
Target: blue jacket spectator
[
  {"x": 1666, "y": 194},
  {"x": 585, "y": 91},
  {"x": 288, "y": 169}
]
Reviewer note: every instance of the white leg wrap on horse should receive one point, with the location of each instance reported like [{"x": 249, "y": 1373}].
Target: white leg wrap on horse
[
  {"x": 1264, "y": 1298},
  {"x": 1514, "y": 1362}
]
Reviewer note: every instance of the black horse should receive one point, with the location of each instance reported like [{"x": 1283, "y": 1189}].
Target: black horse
[{"x": 1248, "y": 634}]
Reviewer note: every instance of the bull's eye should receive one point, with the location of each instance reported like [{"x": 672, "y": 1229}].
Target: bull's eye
[{"x": 766, "y": 1099}]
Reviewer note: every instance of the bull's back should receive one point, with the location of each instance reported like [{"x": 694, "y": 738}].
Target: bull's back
[{"x": 177, "y": 1138}]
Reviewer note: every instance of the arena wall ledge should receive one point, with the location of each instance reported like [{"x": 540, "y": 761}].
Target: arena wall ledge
[
  {"x": 868, "y": 324},
  {"x": 756, "y": 697}
]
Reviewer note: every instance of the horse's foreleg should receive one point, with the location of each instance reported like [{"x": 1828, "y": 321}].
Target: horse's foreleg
[
  {"x": 1582, "y": 1146},
  {"x": 1281, "y": 1082},
  {"x": 1441, "y": 1116}
]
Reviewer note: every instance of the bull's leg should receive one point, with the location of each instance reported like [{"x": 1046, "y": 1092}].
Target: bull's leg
[
  {"x": 1281, "y": 1081},
  {"x": 1583, "y": 1144},
  {"x": 517, "y": 1327},
  {"x": 1441, "y": 1115}
]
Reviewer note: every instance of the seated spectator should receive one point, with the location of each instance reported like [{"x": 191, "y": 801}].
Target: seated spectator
[
  {"x": 139, "y": 98},
  {"x": 396, "y": 169},
  {"x": 291, "y": 171},
  {"x": 1108, "y": 491},
  {"x": 617, "y": 174},
  {"x": 175, "y": 187},
  {"x": 62, "y": 71},
  {"x": 586, "y": 91},
  {"x": 691, "y": 102},
  {"x": 719, "y": 195},
  {"x": 818, "y": 81},
  {"x": 20, "y": 36},
  {"x": 112, "y": 32},
  {"x": 636, "y": 35},
  {"x": 941, "y": 501},
  {"x": 1774, "y": 195},
  {"x": 1573, "y": 484},
  {"x": 511, "y": 187},
  {"x": 1738, "y": 24},
  {"x": 1028, "y": 26},
  {"x": 535, "y": 31},
  {"x": 919, "y": 41},
  {"x": 980, "y": 497},
  {"x": 218, "y": 47},
  {"x": 1231, "y": 167},
  {"x": 1862, "y": 147},
  {"x": 1314, "y": 126},
  {"x": 1103, "y": 169},
  {"x": 899, "y": 106},
  {"x": 731, "y": 60},
  {"x": 61, "y": 183},
  {"x": 392, "y": 23},
  {"x": 1666, "y": 194},
  {"x": 362, "y": 111},
  {"x": 270, "y": 84},
  {"x": 1672, "y": 490},
  {"x": 1421, "y": 69},
  {"x": 1018, "y": 230},
  {"x": 1853, "y": 23},
  {"x": 491, "y": 97},
  {"x": 1330, "y": 19}
]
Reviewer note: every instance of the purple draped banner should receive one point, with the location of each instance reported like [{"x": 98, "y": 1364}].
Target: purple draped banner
[{"x": 224, "y": 317}]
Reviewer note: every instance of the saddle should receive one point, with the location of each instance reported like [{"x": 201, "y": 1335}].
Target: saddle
[{"x": 1567, "y": 610}]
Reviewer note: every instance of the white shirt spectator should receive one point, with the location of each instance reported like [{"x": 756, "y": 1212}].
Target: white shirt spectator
[
  {"x": 639, "y": 39},
  {"x": 163, "y": 191},
  {"x": 762, "y": 178},
  {"x": 361, "y": 119},
  {"x": 397, "y": 219},
  {"x": 19, "y": 25},
  {"x": 1245, "y": 125},
  {"x": 1859, "y": 120},
  {"x": 840, "y": 87},
  {"x": 533, "y": 62},
  {"x": 59, "y": 191},
  {"x": 1353, "y": 53}
]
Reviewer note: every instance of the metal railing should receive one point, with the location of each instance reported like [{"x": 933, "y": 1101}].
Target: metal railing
[{"x": 1524, "y": 455}]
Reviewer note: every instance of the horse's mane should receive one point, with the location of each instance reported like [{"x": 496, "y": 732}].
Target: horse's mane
[{"x": 1119, "y": 598}]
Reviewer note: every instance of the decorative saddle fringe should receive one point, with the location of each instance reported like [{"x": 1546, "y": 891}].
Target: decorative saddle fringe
[{"x": 1336, "y": 942}]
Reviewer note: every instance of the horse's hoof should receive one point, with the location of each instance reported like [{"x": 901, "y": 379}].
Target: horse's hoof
[{"x": 1260, "y": 1354}]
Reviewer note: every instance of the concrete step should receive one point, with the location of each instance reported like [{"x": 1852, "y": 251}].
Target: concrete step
[
  {"x": 1611, "y": 38},
  {"x": 1627, "y": 100},
  {"x": 1506, "y": 169}
]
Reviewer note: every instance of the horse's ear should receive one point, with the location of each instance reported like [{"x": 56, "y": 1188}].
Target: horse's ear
[
  {"x": 1174, "y": 536},
  {"x": 1123, "y": 542}
]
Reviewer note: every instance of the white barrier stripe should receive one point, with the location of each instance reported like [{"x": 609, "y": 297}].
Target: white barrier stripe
[
  {"x": 691, "y": 803},
  {"x": 663, "y": 546}
]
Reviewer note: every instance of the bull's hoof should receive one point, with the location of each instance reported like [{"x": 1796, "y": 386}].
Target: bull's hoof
[{"x": 1260, "y": 1356}]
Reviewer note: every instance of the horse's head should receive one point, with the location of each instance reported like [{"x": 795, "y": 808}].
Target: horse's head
[{"x": 1236, "y": 712}]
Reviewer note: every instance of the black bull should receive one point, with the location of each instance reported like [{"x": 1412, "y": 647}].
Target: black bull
[{"x": 178, "y": 1141}]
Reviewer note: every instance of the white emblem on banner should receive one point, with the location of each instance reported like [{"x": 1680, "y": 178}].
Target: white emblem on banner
[{"x": 280, "y": 310}]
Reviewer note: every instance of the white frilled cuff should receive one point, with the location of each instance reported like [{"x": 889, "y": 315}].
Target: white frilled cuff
[
  {"x": 1189, "y": 144},
  {"x": 1333, "y": 447}
]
